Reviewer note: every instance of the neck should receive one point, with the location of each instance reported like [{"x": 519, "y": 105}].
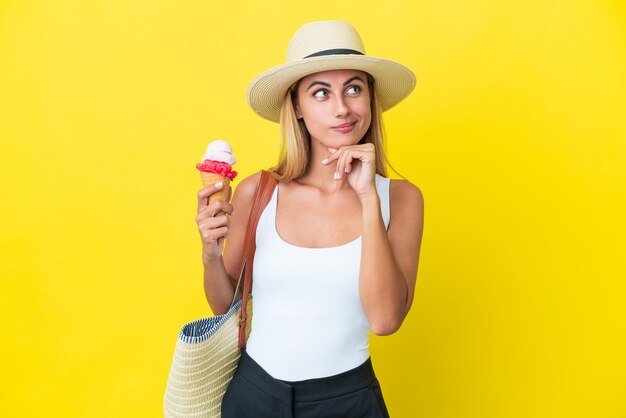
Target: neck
[{"x": 319, "y": 175}]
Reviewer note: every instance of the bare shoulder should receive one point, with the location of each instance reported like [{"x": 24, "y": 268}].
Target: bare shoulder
[
  {"x": 406, "y": 224},
  {"x": 244, "y": 192},
  {"x": 405, "y": 195},
  {"x": 406, "y": 207}
]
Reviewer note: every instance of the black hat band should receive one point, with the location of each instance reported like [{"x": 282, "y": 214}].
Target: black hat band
[{"x": 335, "y": 52}]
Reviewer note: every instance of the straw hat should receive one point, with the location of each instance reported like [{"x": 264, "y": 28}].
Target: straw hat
[{"x": 321, "y": 46}]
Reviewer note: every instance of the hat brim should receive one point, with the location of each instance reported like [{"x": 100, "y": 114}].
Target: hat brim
[{"x": 267, "y": 91}]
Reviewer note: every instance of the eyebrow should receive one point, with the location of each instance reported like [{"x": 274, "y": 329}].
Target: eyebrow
[{"x": 328, "y": 85}]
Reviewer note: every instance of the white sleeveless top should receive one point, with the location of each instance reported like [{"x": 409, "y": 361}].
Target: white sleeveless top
[{"x": 307, "y": 319}]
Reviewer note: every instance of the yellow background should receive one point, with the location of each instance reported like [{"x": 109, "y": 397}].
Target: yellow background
[{"x": 516, "y": 135}]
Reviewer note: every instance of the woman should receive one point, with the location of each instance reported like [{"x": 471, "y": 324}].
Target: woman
[{"x": 338, "y": 244}]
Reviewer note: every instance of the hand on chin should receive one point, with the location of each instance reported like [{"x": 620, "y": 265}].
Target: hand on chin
[{"x": 358, "y": 163}]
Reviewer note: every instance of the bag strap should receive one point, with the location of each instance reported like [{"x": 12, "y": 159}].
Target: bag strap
[{"x": 262, "y": 196}]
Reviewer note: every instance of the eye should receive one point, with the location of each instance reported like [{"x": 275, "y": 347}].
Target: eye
[
  {"x": 353, "y": 90},
  {"x": 320, "y": 93}
]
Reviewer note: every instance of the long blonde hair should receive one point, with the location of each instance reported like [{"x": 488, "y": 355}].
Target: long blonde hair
[{"x": 295, "y": 141}]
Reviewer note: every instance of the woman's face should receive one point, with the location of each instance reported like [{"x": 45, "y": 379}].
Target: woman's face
[{"x": 335, "y": 106}]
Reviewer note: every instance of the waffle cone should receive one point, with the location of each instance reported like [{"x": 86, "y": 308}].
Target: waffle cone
[{"x": 212, "y": 178}]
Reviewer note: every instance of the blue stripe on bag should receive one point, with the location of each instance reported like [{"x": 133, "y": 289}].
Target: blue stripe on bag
[{"x": 200, "y": 330}]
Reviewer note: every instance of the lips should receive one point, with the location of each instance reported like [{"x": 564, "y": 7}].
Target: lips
[{"x": 345, "y": 127}]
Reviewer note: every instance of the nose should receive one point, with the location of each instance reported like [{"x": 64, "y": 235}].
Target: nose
[{"x": 341, "y": 107}]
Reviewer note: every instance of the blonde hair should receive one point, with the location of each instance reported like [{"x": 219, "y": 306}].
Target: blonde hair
[{"x": 295, "y": 141}]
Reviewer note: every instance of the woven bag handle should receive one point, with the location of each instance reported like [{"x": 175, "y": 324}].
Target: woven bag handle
[{"x": 262, "y": 196}]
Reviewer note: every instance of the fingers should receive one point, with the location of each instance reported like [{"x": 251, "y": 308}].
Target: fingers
[
  {"x": 212, "y": 220},
  {"x": 215, "y": 208},
  {"x": 346, "y": 163},
  {"x": 339, "y": 156},
  {"x": 204, "y": 193},
  {"x": 332, "y": 157},
  {"x": 212, "y": 227},
  {"x": 216, "y": 222},
  {"x": 345, "y": 156}
]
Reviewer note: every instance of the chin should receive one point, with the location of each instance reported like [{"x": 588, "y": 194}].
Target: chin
[
  {"x": 339, "y": 144},
  {"x": 346, "y": 140}
]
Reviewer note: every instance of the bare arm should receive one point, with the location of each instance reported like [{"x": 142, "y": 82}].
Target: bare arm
[
  {"x": 389, "y": 259},
  {"x": 222, "y": 261}
]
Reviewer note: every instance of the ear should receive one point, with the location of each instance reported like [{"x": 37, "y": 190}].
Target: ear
[{"x": 296, "y": 108}]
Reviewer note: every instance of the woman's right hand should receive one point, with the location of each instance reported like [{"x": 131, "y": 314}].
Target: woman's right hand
[{"x": 213, "y": 229}]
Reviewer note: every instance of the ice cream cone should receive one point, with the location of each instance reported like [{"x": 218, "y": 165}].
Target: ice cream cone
[{"x": 212, "y": 178}]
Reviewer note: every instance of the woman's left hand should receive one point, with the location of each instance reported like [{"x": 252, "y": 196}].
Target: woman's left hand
[{"x": 358, "y": 163}]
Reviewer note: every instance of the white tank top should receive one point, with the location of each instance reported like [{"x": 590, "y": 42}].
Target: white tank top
[{"x": 307, "y": 319}]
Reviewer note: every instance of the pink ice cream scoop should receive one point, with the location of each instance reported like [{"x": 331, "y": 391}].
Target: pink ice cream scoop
[{"x": 218, "y": 159}]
